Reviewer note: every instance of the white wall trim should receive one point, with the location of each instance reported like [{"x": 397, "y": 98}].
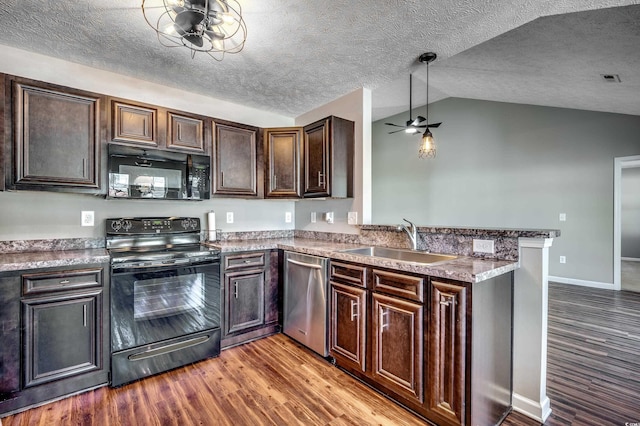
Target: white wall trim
[
  {"x": 532, "y": 409},
  {"x": 630, "y": 259},
  {"x": 584, "y": 283},
  {"x": 535, "y": 242},
  {"x": 619, "y": 164}
]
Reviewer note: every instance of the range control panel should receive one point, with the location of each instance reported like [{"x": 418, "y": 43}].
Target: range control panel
[{"x": 152, "y": 225}]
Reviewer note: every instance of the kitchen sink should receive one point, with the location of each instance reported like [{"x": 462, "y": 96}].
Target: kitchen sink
[{"x": 400, "y": 254}]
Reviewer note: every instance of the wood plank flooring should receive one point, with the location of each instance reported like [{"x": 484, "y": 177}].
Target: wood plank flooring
[{"x": 593, "y": 379}]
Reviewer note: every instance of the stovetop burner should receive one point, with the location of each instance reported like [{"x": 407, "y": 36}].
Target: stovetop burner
[{"x": 146, "y": 242}]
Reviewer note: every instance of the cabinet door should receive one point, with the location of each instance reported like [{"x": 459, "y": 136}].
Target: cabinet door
[
  {"x": 9, "y": 335},
  {"x": 447, "y": 343},
  {"x": 235, "y": 161},
  {"x": 185, "y": 132},
  {"x": 347, "y": 333},
  {"x": 316, "y": 159},
  {"x": 283, "y": 151},
  {"x": 397, "y": 346},
  {"x": 134, "y": 123},
  {"x": 57, "y": 137},
  {"x": 62, "y": 336},
  {"x": 244, "y": 300}
]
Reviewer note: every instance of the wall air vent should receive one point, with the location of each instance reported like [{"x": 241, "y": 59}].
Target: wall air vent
[{"x": 610, "y": 78}]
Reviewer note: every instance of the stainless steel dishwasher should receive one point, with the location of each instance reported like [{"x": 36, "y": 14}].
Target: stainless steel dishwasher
[{"x": 306, "y": 301}]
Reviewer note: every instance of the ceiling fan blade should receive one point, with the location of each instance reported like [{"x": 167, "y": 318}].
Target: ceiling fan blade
[
  {"x": 396, "y": 131},
  {"x": 391, "y": 124},
  {"x": 434, "y": 125},
  {"x": 419, "y": 119}
]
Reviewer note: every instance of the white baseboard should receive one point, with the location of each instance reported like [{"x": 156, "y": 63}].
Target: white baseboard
[
  {"x": 539, "y": 411},
  {"x": 630, "y": 259},
  {"x": 585, "y": 283}
]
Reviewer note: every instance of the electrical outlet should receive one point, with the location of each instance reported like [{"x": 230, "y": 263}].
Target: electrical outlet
[
  {"x": 328, "y": 217},
  {"x": 287, "y": 217},
  {"x": 87, "y": 218},
  {"x": 229, "y": 217},
  {"x": 563, "y": 259},
  {"x": 313, "y": 217},
  {"x": 352, "y": 218},
  {"x": 562, "y": 217},
  {"x": 483, "y": 246}
]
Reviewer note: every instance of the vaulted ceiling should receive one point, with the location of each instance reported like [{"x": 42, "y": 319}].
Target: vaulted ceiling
[{"x": 301, "y": 54}]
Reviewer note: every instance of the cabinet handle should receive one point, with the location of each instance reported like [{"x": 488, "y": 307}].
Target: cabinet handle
[
  {"x": 84, "y": 168},
  {"x": 320, "y": 179},
  {"x": 383, "y": 315},
  {"x": 235, "y": 289},
  {"x": 275, "y": 182},
  {"x": 247, "y": 261},
  {"x": 63, "y": 282},
  {"x": 354, "y": 313},
  {"x": 221, "y": 179},
  {"x": 447, "y": 300},
  {"x": 84, "y": 315}
]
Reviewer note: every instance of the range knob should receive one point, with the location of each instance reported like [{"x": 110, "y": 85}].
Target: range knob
[
  {"x": 126, "y": 225},
  {"x": 116, "y": 225}
]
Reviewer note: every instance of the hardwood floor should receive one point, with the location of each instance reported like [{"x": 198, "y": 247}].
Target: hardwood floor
[{"x": 593, "y": 379}]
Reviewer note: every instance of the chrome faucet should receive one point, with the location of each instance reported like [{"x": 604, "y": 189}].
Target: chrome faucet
[{"x": 411, "y": 231}]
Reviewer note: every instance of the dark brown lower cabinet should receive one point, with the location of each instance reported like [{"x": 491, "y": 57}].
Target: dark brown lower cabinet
[
  {"x": 447, "y": 352},
  {"x": 397, "y": 346},
  {"x": 410, "y": 336},
  {"x": 250, "y": 294},
  {"x": 54, "y": 324},
  {"x": 61, "y": 336},
  {"x": 348, "y": 329}
]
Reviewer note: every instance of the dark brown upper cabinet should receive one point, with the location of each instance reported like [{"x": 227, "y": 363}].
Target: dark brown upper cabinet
[
  {"x": 134, "y": 124},
  {"x": 56, "y": 137},
  {"x": 328, "y": 158},
  {"x": 283, "y": 152},
  {"x": 235, "y": 157},
  {"x": 184, "y": 132}
]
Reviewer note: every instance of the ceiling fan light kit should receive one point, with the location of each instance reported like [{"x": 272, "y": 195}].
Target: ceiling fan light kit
[
  {"x": 427, "y": 144},
  {"x": 214, "y": 27}
]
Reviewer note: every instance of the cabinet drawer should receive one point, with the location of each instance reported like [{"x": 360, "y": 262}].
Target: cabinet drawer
[
  {"x": 352, "y": 274},
  {"x": 247, "y": 260},
  {"x": 60, "y": 281},
  {"x": 406, "y": 286}
]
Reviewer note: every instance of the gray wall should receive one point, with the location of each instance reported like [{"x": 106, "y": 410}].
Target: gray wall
[
  {"x": 630, "y": 213},
  {"x": 27, "y": 215},
  {"x": 510, "y": 165}
]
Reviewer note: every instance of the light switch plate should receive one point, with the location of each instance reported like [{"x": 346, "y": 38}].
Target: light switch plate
[
  {"x": 352, "y": 218},
  {"x": 87, "y": 218},
  {"x": 287, "y": 217},
  {"x": 229, "y": 217},
  {"x": 313, "y": 217},
  {"x": 562, "y": 217}
]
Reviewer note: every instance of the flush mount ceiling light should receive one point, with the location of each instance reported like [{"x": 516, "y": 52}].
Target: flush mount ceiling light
[
  {"x": 428, "y": 143},
  {"x": 214, "y": 27}
]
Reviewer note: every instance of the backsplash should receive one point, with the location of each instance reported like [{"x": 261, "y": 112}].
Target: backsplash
[{"x": 447, "y": 240}]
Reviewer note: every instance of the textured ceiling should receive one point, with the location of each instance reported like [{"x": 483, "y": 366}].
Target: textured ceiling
[{"x": 301, "y": 54}]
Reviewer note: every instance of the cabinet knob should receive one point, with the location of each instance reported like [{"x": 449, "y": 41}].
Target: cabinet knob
[{"x": 63, "y": 282}]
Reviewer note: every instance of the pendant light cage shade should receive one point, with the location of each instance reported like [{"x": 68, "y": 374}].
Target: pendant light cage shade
[
  {"x": 427, "y": 143},
  {"x": 214, "y": 27},
  {"x": 427, "y": 146}
]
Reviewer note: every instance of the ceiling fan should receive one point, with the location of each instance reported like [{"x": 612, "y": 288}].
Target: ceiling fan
[{"x": 413, "y": 125}]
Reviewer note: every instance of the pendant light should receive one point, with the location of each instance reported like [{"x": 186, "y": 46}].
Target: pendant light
[{"x": 428, "y": 144}]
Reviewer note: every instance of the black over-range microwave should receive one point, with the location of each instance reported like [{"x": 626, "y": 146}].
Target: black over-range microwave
[{"x": 154, "y": 174}]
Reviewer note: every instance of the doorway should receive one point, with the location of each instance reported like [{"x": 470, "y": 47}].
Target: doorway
[{"x": 626, "y": 236}]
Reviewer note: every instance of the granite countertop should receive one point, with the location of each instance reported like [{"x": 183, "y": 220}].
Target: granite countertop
[
  {"x": 51, "y": 259},
  {"x": 463, "y": 268}
]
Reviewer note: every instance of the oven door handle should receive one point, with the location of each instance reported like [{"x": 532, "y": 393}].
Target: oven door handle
[{"x": 168, "y": 348}]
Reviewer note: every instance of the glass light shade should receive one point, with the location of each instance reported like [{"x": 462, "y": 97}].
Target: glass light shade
[
  {"x": 427, "y": 146},
  {"x": 411, "y": 130}
]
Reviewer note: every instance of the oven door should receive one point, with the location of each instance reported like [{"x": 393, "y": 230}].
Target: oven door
[{"x": 150, "y": 305}]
